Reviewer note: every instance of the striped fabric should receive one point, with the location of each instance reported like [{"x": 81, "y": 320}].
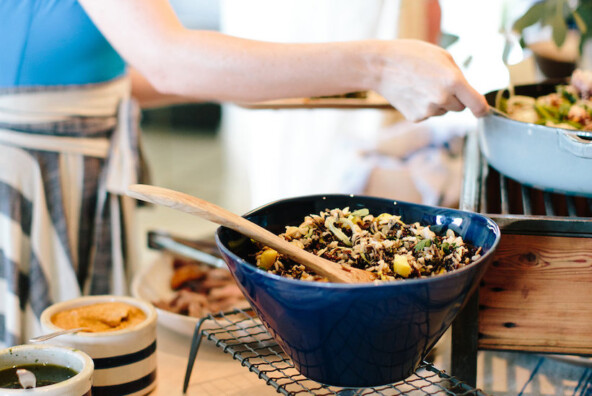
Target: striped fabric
[{"x": 63, "y": 233}]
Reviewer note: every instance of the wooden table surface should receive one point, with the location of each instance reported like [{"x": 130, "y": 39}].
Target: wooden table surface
[{"x": 214, "y": 372}]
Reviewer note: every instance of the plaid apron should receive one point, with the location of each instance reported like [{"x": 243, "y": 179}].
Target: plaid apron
[{"x": 67, "y": 155}]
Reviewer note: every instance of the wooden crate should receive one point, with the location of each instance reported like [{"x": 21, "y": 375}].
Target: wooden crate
[{"x": 537, "y": 296}]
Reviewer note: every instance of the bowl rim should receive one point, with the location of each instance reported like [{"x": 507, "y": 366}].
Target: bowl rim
[
  {"x": 331, "y": 285},
  {"x": 88, "y": 365},
  {"x": 146, "y": 307}
]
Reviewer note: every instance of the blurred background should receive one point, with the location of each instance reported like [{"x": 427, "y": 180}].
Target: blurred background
[{"x": 242, "y": 158}]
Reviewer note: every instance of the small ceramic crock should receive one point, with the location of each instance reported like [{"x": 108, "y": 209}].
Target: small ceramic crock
[
  {"x": 78, "y": 385},
  {"x": 125, "y": 360}
]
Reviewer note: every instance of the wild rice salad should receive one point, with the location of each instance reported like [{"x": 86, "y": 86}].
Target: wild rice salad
[{"x": 382, "y": 244}]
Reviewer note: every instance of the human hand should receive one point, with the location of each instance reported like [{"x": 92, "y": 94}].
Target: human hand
[{"x": 422, "y": 80}]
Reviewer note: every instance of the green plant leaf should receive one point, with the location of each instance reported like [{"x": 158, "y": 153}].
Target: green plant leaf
[
  {"x": 552, "y": 8},
  {"x": 447, "y": 39},
  {"x": 581, "y": 24},
  {"x": 559, "y": 29},
  {"x": 584, "y": 11},
  {"x": 530, "y": 17}
]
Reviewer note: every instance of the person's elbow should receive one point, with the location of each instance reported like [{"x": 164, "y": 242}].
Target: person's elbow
[
  {"x": 171, "y": 80},
  {"x": 159, "y": 66},
  {"x": 159, "y": 79}
]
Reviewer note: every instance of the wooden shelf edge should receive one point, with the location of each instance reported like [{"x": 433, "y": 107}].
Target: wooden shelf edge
[{"x": 373, "y": 101}]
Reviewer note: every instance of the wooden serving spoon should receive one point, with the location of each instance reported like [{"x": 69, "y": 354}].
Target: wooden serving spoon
[{"x": 186, "y": 203}]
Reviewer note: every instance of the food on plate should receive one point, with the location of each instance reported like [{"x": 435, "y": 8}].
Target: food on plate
[
  {"x": 201, "y": 290},
  {"x": 109, "y": 316},
  {"x": 382, "y": 244},
  {"x": 568, "y": 107}
]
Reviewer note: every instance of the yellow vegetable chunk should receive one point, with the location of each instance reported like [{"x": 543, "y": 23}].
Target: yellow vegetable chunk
[
  {"x": 401, "y": 266},
  {"x": 267, "y": 258}
]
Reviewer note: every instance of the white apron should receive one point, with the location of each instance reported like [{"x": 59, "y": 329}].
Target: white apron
[{"x": 66, "y": 155}]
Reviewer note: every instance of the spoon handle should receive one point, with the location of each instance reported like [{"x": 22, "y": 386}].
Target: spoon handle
[
  {"x": 207, "y": 210},
  {"x": 49, "y": 336}
]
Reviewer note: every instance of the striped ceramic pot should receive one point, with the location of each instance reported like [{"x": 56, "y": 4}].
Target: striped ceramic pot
[
  {"x": 125, "y": 360},
  {"x": 26, "y": 355}
]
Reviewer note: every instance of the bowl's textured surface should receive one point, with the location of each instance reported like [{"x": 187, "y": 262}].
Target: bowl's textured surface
[{"x": 362, "y": 334}]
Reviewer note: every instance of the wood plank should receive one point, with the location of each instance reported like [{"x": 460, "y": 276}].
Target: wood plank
[
  {"x": 371, "y": 101},
  {"x": 537, "y": 296}
]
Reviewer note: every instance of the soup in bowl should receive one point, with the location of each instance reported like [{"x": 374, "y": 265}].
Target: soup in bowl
[{"x": 57, "y": 371}]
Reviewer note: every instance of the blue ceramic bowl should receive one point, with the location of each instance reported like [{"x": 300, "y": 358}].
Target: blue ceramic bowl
[{"x": 357, "y": 335}]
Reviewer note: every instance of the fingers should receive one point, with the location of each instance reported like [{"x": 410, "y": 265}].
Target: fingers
[
  {"x": 472, "y": 99},
  {"x": 415, "y": 115},
  {"x": 432, "y": 94},
  {"x": 453, "y": 104},
  {"x": 441, "y": 107},
  {"x": 440, "y": 112},
  {"x": 436, "y": 108}
]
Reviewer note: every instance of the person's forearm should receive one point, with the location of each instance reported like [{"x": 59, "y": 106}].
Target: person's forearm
[
  {"x": 231, "y": 69},
  {"x": 212, "y": 66},
  {"x": 419, "y": 79}
]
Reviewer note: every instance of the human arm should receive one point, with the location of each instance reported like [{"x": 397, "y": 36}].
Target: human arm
[
  {"x": 419, "y": 79},
  {"x": 148, "y": 97}
]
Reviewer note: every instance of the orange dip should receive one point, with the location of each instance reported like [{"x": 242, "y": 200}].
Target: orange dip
[{"x": 100, "y": 317}]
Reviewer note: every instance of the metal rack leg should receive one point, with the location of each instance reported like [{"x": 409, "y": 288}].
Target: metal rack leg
[
  {"x": 465, "y": 334},
  {"x": 195, "y": 343}
]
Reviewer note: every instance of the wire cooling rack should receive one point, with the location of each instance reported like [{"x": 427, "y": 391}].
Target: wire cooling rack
[{"x": 240, "y": 334}]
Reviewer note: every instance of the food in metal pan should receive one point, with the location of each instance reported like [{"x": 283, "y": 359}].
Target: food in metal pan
[
  {"x": 569, "y": 107},
  {"x": 201, "y": 290},
  {"x": 382, "y": 244}
]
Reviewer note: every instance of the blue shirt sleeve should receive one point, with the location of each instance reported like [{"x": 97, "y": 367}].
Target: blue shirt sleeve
[{"x": 53, "y": 42}]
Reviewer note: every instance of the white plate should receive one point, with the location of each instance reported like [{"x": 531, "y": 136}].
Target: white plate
[{"x": 153, "y": 284}]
